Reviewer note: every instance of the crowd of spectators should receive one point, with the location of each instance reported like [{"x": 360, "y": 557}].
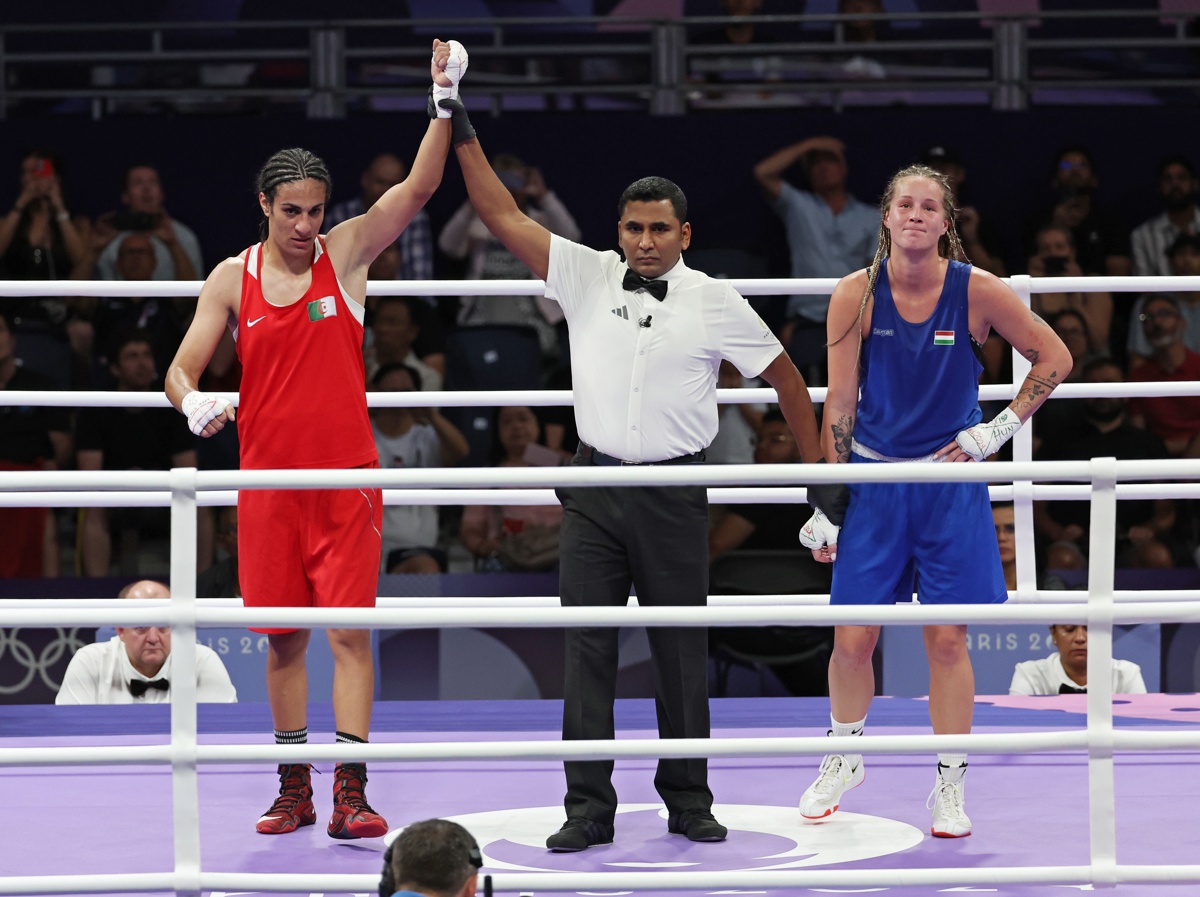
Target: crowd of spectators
[{"x": 126, "y": 342}]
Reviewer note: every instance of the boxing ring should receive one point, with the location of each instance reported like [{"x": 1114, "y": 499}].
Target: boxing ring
[{"x": 1068, "y": 792}]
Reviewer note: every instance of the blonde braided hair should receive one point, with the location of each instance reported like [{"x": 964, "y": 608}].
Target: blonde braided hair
[{"x": 949, "y": 244}]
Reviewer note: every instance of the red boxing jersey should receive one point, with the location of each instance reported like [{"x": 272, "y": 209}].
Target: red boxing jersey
[{"x": 303, "y": 400}]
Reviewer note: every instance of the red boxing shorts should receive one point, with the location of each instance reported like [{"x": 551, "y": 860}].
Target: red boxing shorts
[{"x": 309, "y": 547}]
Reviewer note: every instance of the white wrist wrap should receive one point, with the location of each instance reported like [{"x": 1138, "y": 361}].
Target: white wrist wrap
[
  {"x": 200, "y": 409},
  {"x": 818, "y": 532},
  {"x": 983, "y": 440},
  {"x": 443, "y": 93}
]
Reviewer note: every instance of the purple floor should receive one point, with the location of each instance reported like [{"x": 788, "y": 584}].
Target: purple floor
[{"x": 1028, "y": 810}]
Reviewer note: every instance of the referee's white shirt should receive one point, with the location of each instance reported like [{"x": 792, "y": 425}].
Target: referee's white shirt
[
  {"x": 648, "y": 393},
  {"x": 100, "y": 674},
  {"x": 1045, "y": 676}
]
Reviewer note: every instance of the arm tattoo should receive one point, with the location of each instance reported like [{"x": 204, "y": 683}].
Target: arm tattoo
[
  {"x": 843, "y": 432},
  {"x": 1033, "y": 392}
]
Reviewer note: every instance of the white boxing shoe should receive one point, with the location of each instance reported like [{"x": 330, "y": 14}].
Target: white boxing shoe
[
  {"x": 823, "y": 796},
  {"x": 947, "y": 800}
]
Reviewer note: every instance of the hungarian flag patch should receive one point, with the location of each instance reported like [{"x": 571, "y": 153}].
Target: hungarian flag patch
[
  {"x": 943, "y": 337},
  {"x": 320, "y": 309}
]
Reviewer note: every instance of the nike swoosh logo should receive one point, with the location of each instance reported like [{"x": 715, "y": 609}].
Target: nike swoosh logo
[{"x": 255, "y": 321}]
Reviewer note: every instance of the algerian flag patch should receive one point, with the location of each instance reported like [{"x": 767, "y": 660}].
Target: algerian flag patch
[
  {"x": 320, "y": 309},
  {"x": 943, "y": 337}
]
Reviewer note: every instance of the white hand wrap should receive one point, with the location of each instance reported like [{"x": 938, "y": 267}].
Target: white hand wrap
[
  {"x": 456, "y": 67},
  {"x": 819, "y": 532},
  {"x": 200, "y": 409},
  {"x": 984, "y": 440}
]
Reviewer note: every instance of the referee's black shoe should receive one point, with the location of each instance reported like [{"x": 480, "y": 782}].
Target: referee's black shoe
[
  {"x": 697, "y": 825},
  {"x": 579, "y": 833}
]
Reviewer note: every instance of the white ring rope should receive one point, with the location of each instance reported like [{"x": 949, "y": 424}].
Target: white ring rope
[
  {"x": 1101, "y": 608},
  {"x": 816, "y": 286},
  {"x": 561, "y": 397}
]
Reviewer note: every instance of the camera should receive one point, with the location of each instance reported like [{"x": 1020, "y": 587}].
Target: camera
[
  {"x": 1055, "y": 264},
  {"x": 130, "y": 220}
]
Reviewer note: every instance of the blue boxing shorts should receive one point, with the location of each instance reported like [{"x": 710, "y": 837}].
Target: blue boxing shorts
[{"x": 938, "y": 537}]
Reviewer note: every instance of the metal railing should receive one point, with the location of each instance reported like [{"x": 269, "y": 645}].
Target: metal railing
[{"x": 329, "y": 68}]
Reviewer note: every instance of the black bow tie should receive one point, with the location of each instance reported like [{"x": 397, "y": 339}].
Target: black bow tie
[
  {"x": 635, "y": 281},
  {"x": 1065, "y": 689},
  {"x": 139, "y": 686}
]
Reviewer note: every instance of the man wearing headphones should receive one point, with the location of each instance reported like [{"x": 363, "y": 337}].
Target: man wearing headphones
[{"x": 434, "y": 858}]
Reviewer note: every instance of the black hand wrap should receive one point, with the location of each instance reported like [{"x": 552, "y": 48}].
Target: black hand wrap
[
  {"x": 831, "y": 499},
  {"x": 460, "y": 126}
]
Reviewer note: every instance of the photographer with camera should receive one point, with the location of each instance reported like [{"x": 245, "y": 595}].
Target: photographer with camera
[
  {"x": 176, "y": 248},
  {"x": 1054, "y": 256}
]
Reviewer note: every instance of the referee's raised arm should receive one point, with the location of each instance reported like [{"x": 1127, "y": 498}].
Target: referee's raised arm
[{"x": 524, "y": 237}]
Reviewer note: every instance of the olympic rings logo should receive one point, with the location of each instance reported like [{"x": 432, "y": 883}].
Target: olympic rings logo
[{"x": 65, "y": 643}]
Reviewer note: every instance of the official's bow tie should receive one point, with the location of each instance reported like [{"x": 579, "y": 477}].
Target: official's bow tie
[
  {"x": 1065, "y": 689},
  {"x": 635, "y": 281},
  {"x": 138, "y": 686}
]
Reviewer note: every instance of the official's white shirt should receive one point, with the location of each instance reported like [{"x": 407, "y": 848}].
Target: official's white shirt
[
  {"x": 648, "y": 393},
  {"x": 1043, "y": 677},
  {"x": 100, "y": 674}
]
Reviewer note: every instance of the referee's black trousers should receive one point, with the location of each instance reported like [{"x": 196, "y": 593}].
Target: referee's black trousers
[{"x": 655, "y": 538}]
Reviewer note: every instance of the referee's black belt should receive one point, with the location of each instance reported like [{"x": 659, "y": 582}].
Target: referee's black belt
[{"x": 597, "y": 457}]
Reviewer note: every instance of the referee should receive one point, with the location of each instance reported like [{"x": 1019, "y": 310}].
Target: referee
[{"x": 647, "y": 337}]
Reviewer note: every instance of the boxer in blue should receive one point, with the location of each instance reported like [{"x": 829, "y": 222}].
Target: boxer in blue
[{"x": 907, "y": 330}]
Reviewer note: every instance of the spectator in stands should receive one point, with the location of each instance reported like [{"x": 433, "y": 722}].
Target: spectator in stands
[
  {"x": 1100, "y": 238},
  {"x": 1183, "y": 257},
  {"x": 466, "y": 237},
  {"x": 740, "y": 32},
  {"x": 394, "y": 333},
  {"x": 221, "y": 579},
  {"x": 829, "y": 234},
  {"x": 1174, "y": 419},
  {"x": 736, "y": 424},
  {"x": 412, "y": 438},
  {"x": 39, "y": 240},
  {"x": 1054, "y": 256},
  {"x": 134, "y": 666},
  {"x": 515, "y": 537},
  {"x": 768, "y": 526},
  {"x": 410, "y": 257},
  {"x": 1178, "y": 184},
  {"x": 132, "y": 439},
  {"x": 1067, "y": 556},
  {"x": 1065, "y": 671},
  {"x": 1063, "y": 419},
  {"x": 415, "y": 243},
  {"x": 1143, "y": 527},
  {"x": 31, "y": 438},
  {"x": 434, "y": 858},
  {"x": 115, "y": 316},
  {"x": 176, "y": 247}
]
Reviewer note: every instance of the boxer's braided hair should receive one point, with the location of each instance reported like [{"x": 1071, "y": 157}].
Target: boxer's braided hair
[
  {"x": 949, "y": 244},
  {"x": 286, "y": 166}
]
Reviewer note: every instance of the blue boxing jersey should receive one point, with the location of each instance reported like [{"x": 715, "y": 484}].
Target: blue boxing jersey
[{"x": 919, "y": 382}]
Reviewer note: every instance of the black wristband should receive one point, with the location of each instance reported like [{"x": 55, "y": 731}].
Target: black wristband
[
  {"x": 831, "y": 499},
  {"x": 461, "y": 129}
]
